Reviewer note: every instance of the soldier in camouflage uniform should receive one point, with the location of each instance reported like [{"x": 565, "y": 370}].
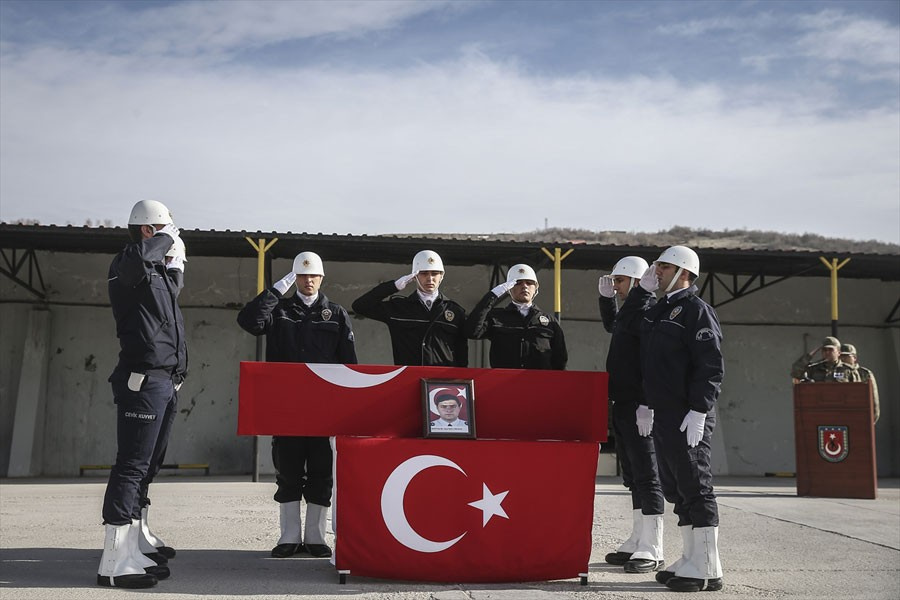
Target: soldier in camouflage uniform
[
  {"x": 830, "y": 368},
  {"x": 848, "y": 357}
]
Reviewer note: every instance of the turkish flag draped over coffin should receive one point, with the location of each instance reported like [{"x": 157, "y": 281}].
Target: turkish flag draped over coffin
[
  {"x": 463, "y": 511},
  {"x": 380, "y": 400}
]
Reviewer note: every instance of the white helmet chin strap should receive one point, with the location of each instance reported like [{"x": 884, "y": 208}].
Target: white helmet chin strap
[{"x": 674, "y": 279}]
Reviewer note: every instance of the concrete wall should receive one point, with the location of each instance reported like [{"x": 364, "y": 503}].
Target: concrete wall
[{"x": 764, "y": 333}]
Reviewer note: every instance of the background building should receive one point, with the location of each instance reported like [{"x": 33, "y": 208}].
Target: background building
[{"x": 58, "y": 343}]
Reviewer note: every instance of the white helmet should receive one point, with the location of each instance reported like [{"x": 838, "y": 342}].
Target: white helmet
[
  {"x": 427, "y": 260},
  {"x": 520, "y": 271},
  {"x": 150, "y": 212},
  {"x": 177, "y": 248},
  {"x": 682, "y": 257},
  {"x": 308, "y": 263},
  {"x": 631, "y": 266}
]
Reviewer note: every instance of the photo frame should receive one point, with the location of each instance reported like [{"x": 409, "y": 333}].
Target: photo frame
[{"x": 440, "y": 419}]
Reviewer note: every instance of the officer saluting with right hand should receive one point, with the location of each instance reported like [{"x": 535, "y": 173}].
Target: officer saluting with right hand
[
  {"x": 522, "y": 335},
  {"x": 426, "y": 327}
]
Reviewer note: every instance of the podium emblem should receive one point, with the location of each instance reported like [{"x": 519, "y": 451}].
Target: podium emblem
[{"x": 834, "y": 442}]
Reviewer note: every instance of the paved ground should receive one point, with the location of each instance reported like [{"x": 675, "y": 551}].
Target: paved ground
[{"x": 773, "y": 545}]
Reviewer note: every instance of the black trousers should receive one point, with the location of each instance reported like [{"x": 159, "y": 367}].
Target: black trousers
[
  {"x": 637, "y": 456},
  {"x": 303, "y": 469},
  {"x": 686, "y": 470},
  {"x": 143, "y": 424}
]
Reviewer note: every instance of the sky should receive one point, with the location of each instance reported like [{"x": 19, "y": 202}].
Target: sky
[{"x": 395, "y": 116}]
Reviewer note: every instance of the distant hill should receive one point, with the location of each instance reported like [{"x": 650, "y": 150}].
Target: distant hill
[{"x": 703, "y": 238}]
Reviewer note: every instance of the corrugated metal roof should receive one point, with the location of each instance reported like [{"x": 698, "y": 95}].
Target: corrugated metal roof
[{"x": 456, "y": 249}]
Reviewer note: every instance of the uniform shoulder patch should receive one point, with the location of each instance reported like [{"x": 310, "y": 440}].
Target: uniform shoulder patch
[{"x": 705, "y": 335}]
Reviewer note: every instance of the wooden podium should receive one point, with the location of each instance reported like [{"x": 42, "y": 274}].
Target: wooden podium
[{"x": 835, "y": 440}]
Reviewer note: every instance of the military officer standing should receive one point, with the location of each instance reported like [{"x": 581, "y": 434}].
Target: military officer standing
[{"x": 830, "y": 368}]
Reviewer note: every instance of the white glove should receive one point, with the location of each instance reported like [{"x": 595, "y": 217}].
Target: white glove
[
  {"x": 606, "y": 286},
  {"x": 170, "y": 230},
  {"x": 503, "y": 288},
  {"x": 176, "y": 262},
  {"x": 285, "y": 283},
  {"x": 644, "y": 420},
  {"x": 648, "y": 280},
  {"x": 693, "y": 423},
  {"x": 401, "y": 283}
]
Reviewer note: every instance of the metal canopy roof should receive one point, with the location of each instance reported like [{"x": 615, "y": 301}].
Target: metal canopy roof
[{"x": 473, "y": 250}]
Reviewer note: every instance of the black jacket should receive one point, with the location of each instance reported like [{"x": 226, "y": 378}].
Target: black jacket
[
  {"x": 623, "y": 361},
  {"x": 532, "y": 342},
  {"x": 681, "y": 352},
  {"x": 144, "y": 299},
  {"x": 294, "y": 332},
  {"x": 418, "y": 336}
]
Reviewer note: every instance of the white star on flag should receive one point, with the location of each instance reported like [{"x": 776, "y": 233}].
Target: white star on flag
[{"x": 489, "y": 505}]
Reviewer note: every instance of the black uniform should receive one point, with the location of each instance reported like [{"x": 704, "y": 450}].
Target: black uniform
[
  {"x": 320, "y": 333},
  {"x": 535, "y": 341},
  {"x": 636, "y": 452},
  {"x": 419, "y": 336},
  {"x": 152, "y": 364},
  {"x": 683, "y": 368}
]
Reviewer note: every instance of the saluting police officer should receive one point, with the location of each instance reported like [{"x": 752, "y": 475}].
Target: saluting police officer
[
  {"x": 143, "y": 290},
  {"x": 643, "y": 551},
  {"x": 683, "y": 369},
  {"x": 308, "y": 328},
  {"x": 522, "y": 335},
  {"x": 426, "y": 327}
]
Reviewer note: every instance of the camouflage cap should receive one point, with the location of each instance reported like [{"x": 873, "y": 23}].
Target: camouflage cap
[
  {"x": 831, "y": 342},
  {"x": 848, "y": 349}
]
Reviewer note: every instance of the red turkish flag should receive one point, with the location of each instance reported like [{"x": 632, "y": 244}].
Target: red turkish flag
[{"x": 464, "y": 510}]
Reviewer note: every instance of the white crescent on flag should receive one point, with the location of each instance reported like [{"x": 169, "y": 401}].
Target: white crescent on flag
[
  {"x": 393, "y": 493},
  {"x": 392, "y": 503},
  {"x": 344, "y": 376}
]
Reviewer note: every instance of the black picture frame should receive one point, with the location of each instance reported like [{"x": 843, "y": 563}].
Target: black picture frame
[{"x": 434, "y": 424}]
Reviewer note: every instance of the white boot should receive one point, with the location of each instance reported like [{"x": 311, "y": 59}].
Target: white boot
[
  {"x": 314, "y": 533},
  {"x": 289, "y": 521},
  {"x": 687, "y": 545},
  {"x": 151, "y": 543},
  {"x": 117, "y": 567},
  {"x": 649, "y": 554},
  {"x": 623, "y": 553},
  {"x": 702, "y": 569},
  {"x": 142, "y": 560}
]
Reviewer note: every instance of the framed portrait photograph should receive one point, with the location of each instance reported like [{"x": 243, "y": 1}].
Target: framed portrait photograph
[{"x": 448, "y": 408}]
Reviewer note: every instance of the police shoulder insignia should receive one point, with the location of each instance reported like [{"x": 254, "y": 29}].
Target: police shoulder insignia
[
  {"x": 326, "y": 314},
  {"x": 544, "y": 319},
  {"x": 675, "y": 312},
  {"x": 448, "y": 314},
  {"x": 705, "y": 335}
]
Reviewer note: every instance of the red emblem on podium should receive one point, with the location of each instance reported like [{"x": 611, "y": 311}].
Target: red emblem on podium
[{"x": 834, "y": 442}]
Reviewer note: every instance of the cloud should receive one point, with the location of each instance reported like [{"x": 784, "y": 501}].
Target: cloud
[
  {"x": 836, "y": 36},
  {"x": 468, "y": 145},
  {"x": 465, "y": 143},
  {"x": 829, "y": 37}
]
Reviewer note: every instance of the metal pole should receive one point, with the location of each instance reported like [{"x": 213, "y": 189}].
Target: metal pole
[
  {"x": 557, "y": 258},
  {"x": 261, "y": 249},
  {"x": 834, "y": 267}
]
